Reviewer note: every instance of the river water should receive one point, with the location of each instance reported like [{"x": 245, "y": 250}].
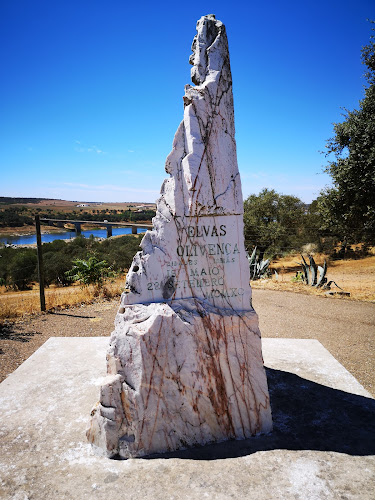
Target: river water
[{"x": 29, "y": 239}]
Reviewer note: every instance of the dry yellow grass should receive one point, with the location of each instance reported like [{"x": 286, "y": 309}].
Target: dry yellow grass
[
  {"x": 18, "y": 304},
  {"x": 354, "y": 276}
]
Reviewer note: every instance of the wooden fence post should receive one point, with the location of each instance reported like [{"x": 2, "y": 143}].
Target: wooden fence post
[{"x": 40, "y": 264}]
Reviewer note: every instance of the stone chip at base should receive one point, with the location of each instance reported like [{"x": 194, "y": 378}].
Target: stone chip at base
[{"x": 180, "y": 375}]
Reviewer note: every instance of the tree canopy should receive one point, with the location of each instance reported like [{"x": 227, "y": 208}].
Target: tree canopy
[
  {"x": 18, "y": 266},
  {"x": 273, "y": 222},
  {"x": 348, "y": 209}
]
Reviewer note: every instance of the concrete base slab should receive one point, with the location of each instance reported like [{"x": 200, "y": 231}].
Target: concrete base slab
[{"x": 322, "y": 446}]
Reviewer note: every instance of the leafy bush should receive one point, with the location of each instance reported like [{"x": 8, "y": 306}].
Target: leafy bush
[
  {"x": 23, "y": 269},
  {"x": 55, "y": 267},
  {"x": 90, "y": 271},
  {"x": 18, "y": 266},
  {"x": 299, "y": 277},
  {"x": 12, "y": 217}
]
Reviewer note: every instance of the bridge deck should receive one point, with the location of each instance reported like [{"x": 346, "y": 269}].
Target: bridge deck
[{"x": 99, "y": 223}]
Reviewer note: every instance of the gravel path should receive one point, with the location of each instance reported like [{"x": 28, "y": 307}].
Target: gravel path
[{"x": 346, "y": 328}]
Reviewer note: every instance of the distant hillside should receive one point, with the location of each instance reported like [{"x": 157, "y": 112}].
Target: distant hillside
[{"x": 7, "y": 200}]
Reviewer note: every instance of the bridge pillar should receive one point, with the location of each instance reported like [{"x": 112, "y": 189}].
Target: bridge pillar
[
  {"x": 109, "y": 230},
  {"x": 60, "y": 224},
  {"x": 77, "y": 226},
  {"x": 134, "y": 230}
]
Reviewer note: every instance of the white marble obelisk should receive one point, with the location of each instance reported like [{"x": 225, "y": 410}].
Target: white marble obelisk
[{"x": 185, "y": 365}]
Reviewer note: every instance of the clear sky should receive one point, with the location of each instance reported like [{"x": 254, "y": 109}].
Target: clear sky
[{"x": 91, "y": 91}]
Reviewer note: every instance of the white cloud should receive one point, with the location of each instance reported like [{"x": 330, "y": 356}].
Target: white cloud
[{"x": 89, "y": 149}]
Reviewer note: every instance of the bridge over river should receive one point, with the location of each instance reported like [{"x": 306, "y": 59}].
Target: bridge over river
[{"x": 108, "y": 225}]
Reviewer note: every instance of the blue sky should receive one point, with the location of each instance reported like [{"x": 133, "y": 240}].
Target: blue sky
[{"x": 91, "y": 91}]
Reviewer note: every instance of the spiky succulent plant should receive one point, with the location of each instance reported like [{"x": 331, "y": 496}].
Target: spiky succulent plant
[
  {"x": 312, "y": 274},
  {"x": 258, "y": 269}
]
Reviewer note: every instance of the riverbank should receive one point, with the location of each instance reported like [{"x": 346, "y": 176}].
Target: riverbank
[
  {"x": 28, "y": 230},
  {"x": 46, "y": 229},
  {"x": 67, "y": 234}
]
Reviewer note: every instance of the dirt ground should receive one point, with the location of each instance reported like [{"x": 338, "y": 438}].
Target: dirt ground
[{"x": 346, "y": 328}]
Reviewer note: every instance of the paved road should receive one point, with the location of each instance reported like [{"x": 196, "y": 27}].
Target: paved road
[{"x": 346, "y": 328}]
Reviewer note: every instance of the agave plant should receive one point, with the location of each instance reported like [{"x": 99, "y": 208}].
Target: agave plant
[
  {"x": 257, "y": 269},
  {"x": 312, "y": 274},
  {"x": 316, "y": 275}
]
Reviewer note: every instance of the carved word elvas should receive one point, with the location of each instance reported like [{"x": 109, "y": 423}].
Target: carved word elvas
[{"x": 200, "y": 231}]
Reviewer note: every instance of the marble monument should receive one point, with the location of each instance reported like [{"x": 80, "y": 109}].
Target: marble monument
[{"x": 184, "y": 366}]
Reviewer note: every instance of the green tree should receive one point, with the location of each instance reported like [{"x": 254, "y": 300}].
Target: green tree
[
  {"x": 7, "y": 254},
  {"x": 90, "y": 271},
  {"x": 23, "y": 269},
  {"x": 12, "y": 217},
  {"x": 55, "y": 267},
  {"x": 348, "y": 209},
  {"x": 273, "y": 222}
]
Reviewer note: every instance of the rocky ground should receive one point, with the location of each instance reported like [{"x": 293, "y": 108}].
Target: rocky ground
[{"x": 346, "y": 328}]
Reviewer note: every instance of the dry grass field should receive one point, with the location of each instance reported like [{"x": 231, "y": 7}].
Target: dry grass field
[
  {"x": 67, "y": 206},
  {"x": 15, "y": 305},
  {"x": 354, "y": 276}
]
